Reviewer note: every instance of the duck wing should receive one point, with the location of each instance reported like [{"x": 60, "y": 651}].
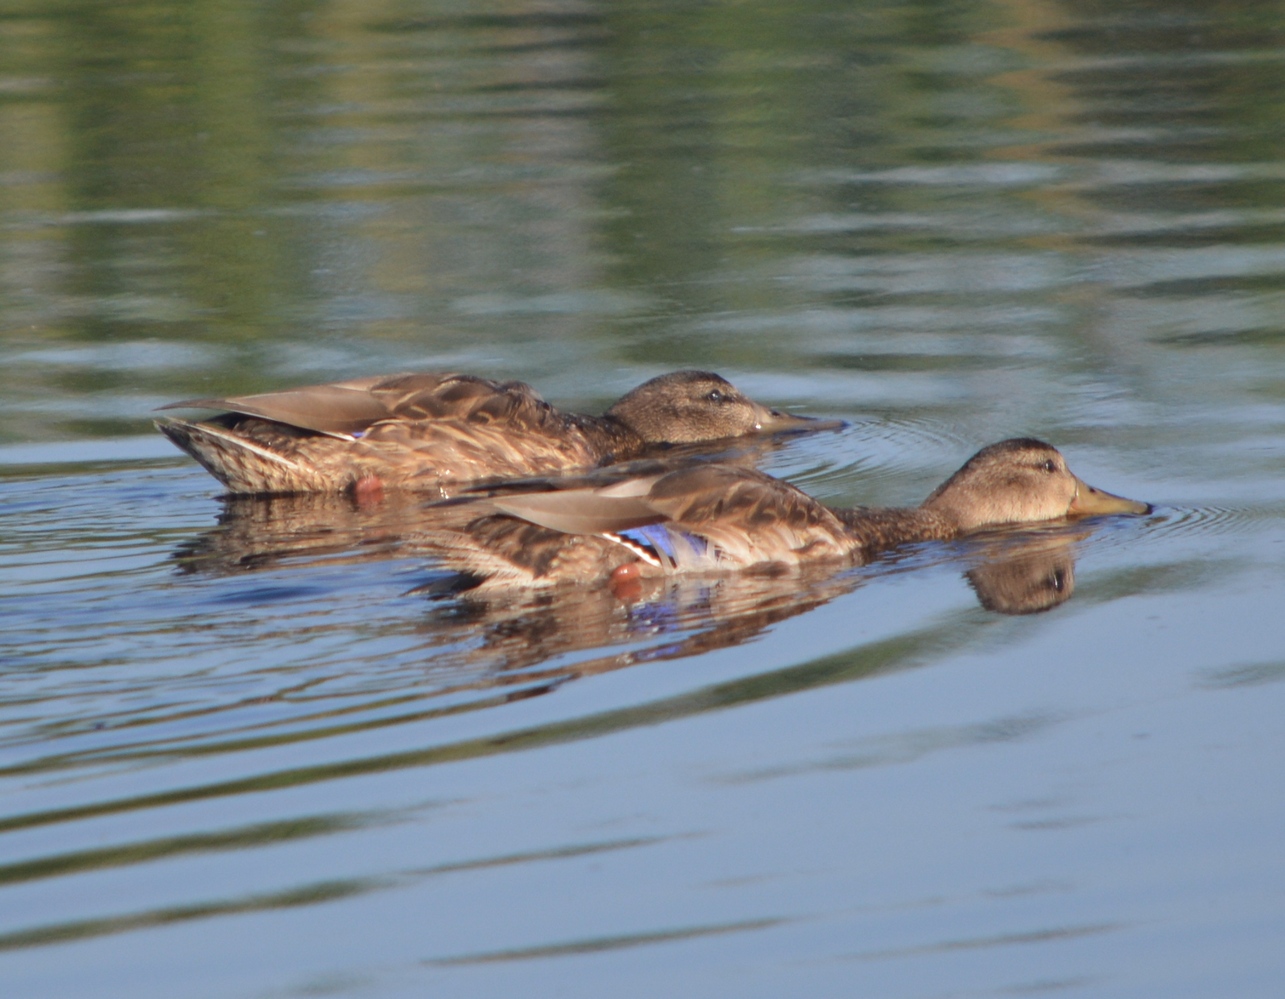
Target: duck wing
[
  {"x": 750, "y": 517},
  {"x": 739, "y": 516},
  {"x": 348, "y": 408},
  {"x": 589, "y": 510}
]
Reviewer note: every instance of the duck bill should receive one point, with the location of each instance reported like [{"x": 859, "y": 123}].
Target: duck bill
[
  {"x": 773, "y": 420},
  {"x": 1091, "y": 502}
]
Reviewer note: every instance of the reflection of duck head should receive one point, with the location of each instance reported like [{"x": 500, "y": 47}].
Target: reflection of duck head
[
  {"x": 714, "y": 517},
  {"x": 429, "y": 432},
  {"x": 1025, "y": 576}
]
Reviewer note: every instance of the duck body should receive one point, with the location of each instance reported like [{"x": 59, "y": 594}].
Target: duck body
[
  {"x": 715, "y": 518},
  {"x": 434, "y": 432}
]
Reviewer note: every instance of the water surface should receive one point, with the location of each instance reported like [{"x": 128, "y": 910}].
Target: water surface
[{"x": 246, "y": 752}]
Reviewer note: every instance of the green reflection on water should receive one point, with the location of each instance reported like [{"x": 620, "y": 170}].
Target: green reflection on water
[
  {"x": 321, "y": 188},
  {"x": 593, "y": 945},
  {"x": 265, "y": 834},
  {"x": 901, "y": 652},
  {"x": 310, "y": 894}
]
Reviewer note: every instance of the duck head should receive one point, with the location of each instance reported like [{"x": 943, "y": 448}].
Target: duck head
[
  {"x": 685, "y": 407},
  {"x": 1021, "y": 481}
]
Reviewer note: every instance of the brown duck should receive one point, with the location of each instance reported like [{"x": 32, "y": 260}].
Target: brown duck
[
  {"x": 433, "y": 432},
  {"x": 715, "y": 517}
]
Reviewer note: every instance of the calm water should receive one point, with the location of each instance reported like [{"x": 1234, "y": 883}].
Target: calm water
[{"x": 246, "y": 753}]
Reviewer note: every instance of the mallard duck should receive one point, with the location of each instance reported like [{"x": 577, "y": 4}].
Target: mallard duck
[
  {"x": 434, "y": 431},
  {"x": 717, "y": 517}
]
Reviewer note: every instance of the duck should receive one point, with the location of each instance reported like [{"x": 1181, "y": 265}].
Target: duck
[
  {"x": 433, "y": 432},
  {"x": 715, "y": 517}
]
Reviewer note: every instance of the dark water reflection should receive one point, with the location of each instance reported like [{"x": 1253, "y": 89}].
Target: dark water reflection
[{"x": 246, "y": 751}]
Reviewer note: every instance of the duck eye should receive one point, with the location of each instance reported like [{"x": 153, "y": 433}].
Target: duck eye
[
  {"x": 1049, "y": 466},
  {"x": 715, "y": 396}
]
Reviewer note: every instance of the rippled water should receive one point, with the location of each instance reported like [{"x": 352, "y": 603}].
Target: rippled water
[{"x": 249, "y": 749}]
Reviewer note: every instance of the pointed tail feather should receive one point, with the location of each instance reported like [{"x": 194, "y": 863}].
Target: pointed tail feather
[{"x": 240, "y": 464}]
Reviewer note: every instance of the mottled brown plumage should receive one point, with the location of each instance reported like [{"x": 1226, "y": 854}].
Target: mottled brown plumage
[
  {"x": 716, "y": 517},
  {"x": 432, "y": 432},
  {"x": 1011, "y": 572}
]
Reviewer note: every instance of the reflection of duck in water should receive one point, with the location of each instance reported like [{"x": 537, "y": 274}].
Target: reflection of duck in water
[
  {"x": 665, "y": 619},
  {"x": 529, "y": 639},
  {"x": 714, "y": 517},
  {"x": 1025, "y": 575},
  {"x": 432, "y": 431},
  {"x": 264, "y": 532}
]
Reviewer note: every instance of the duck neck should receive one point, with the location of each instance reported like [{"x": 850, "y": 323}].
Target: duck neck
[
  {"x": 877, "y": 528},
  {"x": 611, "y": 437}
]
